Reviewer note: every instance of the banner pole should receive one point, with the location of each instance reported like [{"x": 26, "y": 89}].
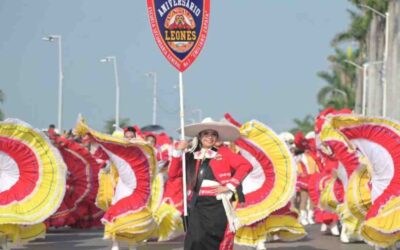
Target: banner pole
[{"x": 182, "y": 117}]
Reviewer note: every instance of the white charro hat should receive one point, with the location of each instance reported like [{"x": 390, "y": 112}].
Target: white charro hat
[
  {"x": 310, "y": 135},
  {"x": 287, "y": 137},
  {"x": 226, "y": 131}
]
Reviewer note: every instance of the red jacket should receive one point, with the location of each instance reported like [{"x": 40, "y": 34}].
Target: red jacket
[{"x": 227, "y": 167}]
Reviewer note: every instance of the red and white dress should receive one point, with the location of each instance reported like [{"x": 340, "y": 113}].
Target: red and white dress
[
  {"x": 32, "y": 181},
  {"x": 129, "y": 217},
  {"x": 267, "y": 189}
]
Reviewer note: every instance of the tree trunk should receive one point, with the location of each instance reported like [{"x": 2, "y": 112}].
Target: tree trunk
[{"x": 393, "y": 65}]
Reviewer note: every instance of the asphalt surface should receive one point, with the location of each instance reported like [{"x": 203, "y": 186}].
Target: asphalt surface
[{"x": 68, "y": 239}]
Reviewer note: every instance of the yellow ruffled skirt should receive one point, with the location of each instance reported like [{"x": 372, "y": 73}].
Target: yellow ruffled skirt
[
  {"x": 169, "y": 222},
  {"x": 351, "y": 224},
  {"x": 133, "y": 228},
  {"x": 167, "y": 217},
  {"x": 358, "y": 194},
  {"x": 286, "y": 227},
  {"x": 18, "y": 234},
  {"x": 328, "y": 199},
  {"x": 383, "y": 230},
  {"x": 105, "y": 193}
]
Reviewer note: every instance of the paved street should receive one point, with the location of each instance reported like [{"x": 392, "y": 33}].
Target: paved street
[{"x": 67, "y": 239}]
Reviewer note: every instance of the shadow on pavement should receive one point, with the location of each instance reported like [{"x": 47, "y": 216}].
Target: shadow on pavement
[
  {"x": 57, "y": 245},
  {"x": 305, "y": 247}
]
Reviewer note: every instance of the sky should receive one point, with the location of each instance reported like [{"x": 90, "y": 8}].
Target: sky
[{"x": 259, "y": 62}]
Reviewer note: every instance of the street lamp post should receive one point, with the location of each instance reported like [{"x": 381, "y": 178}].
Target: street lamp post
[
  {"x": 385, "y": 61},
  {"x": 341, "y": 92},
  {"x": 385, "y": 54},
  {"x": 364, "y": 87},
  {"x": 113, "y": 59},
  {"x": 154, "y": 75},
  {"x": 364, "y": 67},
  {"x": 52, "y": 38}
]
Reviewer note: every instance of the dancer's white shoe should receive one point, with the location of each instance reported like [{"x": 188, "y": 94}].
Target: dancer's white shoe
[
  {"x": 324, "y": 227},
  {"x": 310, "y": 217},
  {"x": 303, "y": 218},
  {"x": 343, "y": 235},
  {"x": 115, "y": 245},
  {"x": 334, "y": 229},
  {"x": 261, "y": 246}
]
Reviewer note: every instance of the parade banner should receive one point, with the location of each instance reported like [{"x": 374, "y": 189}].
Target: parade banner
[{"x": 180, "y": 29}]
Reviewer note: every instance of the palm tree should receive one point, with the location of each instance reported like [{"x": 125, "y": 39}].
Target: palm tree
[
  {"x": 336, "y": 94},
  {"x": 305, "y": 125},
  {"x": 340, "y": 89},
  {"x": 379, "y": 5},
  {"x": 360, "y": 25},
  {"x": 2, "y": 99},
  {"x": 339, "y": 92},
  {"x": 357, "y": 31},
  {"x": 109, "y": 127},
  {"x": 347, "y": 72}
]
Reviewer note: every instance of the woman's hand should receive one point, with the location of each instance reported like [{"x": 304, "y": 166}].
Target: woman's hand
[
  {"x": 221, "y": 189},
  {"x": 182, "y": 145}
]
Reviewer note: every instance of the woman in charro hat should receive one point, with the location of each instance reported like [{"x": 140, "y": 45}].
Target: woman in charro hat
[{"x": 212, "y": 175}]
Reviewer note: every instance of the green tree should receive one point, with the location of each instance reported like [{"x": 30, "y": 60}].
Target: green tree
[
  {"x": 341, "y": 78},
  {"x": 360, "y": 23},
  {"x": 346, "y": 72},
  {"x": 340, "y": 89},
  {"x": 109, "y": 127},
  {"x": 305, "y": 125},
  {"x": 335, "y": 94},
  {"x": 357, "y": 31}
]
